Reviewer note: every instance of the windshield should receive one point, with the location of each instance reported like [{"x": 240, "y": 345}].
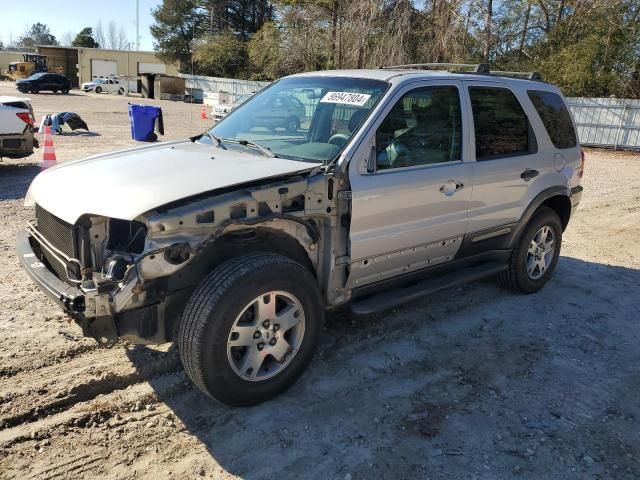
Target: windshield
[
  {"x": 302, "y": 118},
  {"x": 35, "y": 76}
]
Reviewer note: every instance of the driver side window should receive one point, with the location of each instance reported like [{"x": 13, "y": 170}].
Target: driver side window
[{"x": 424, "y": 127}]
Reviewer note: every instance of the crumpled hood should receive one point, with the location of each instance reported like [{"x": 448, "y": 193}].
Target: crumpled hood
[{"x": 128, "y": 183}]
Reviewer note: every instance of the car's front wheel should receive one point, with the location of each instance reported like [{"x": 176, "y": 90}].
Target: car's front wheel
[
  {"x": 251, "y": 328},
  {"x": 534, "y": 259},
  {"x": 65, "y": 91},
  {"x": 98, "y": 90},
  {"x": 35, "y": 90}
]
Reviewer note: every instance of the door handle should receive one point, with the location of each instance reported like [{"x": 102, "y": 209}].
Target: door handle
[
  {"x": 451, "y": 187},
  {"x": 528, "y": 174}
]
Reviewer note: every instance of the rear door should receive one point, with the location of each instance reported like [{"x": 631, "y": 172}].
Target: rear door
[
  {"x": 410, "y": 200},
  {"x": 509, "y": 163}
]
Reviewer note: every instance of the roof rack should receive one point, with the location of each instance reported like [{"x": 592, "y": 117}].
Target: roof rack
[
  {"x": 479, "y": 68},
  {"x": 524, "y": 75},
  {"x": 475, "y": 68}
]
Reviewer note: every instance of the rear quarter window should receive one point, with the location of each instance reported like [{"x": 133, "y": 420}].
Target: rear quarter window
[{"x": 555, "y": 117}]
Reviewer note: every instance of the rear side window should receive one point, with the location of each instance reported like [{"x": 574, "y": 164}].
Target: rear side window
[
  {"x": 555, "y": 117},
  {"x": 501, "y": 126},
  {"x": 16, "y": 105}
]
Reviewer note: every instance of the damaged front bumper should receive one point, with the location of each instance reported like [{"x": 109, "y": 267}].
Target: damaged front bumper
[{"x": 90, "y": 308}]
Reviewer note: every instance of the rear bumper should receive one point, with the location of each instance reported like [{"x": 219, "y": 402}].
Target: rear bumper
[
  {"x": 576, "y": 196},
  {"x": 18, "y": 145}
]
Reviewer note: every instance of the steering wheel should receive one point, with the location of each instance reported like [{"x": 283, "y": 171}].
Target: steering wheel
[{"x": 339, "y": 139}]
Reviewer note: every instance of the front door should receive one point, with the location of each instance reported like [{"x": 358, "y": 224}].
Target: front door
[{"x": 410, "y": 192}]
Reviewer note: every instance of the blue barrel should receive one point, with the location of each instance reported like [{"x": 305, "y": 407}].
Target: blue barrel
[{"x": 143, "y": 119}]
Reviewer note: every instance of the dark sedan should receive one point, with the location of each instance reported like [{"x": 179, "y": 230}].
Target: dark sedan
[{"x": 41, "y": 81}]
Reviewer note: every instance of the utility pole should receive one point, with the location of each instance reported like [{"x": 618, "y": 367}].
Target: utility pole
[{"x": 137, "y": 24}]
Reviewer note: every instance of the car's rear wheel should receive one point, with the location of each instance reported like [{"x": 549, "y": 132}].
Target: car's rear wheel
[
  {"x": 251, "y": 328},
  {"x": 534, "y": 259},
  {"x": 98, "y": 90},
  {"x": 293, "y": 124}
]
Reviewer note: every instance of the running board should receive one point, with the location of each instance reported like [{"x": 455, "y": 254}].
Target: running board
[{"x": 387, "y": 300}]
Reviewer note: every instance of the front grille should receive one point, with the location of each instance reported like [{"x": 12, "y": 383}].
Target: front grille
[{"x": 62, "y": 236}]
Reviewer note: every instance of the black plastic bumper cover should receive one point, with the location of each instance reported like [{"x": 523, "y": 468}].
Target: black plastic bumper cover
[{"x": 70, "y": 298}]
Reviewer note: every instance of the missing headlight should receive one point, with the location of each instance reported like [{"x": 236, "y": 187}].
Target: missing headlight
[{"x": 126, "y": 236}]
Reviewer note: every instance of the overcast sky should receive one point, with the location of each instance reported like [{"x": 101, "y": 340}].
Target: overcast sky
[{"x": 73, "y": 15}]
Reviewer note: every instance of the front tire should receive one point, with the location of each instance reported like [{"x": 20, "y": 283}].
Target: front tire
[
  {"x": 98, "y": 90},
  {"x": 251, "y": 328},
  {"x": 534, "y": 259}
]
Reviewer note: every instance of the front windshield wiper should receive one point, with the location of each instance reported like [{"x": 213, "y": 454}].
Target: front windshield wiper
[
  {"x": 249, "y": 143},
  {"x": 217, "y": 140}
]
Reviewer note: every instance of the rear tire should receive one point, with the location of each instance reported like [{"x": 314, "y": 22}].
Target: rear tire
[
  {"x": 293, "y": 125},
  {"x": 534, "y": 259},
  {"x": 223, "y": 326}
]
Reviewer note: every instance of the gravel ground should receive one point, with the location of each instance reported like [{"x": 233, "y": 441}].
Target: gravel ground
[{"x": 475, "y": 382}]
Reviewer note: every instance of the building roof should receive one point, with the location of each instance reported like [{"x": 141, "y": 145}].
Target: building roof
[{"x": 59, "y": 47}]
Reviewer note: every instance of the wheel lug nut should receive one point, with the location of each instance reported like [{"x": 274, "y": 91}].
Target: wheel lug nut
[
  {"x": 266, "y": 324},
  {"x": 257, "y": 334},
  {"x": 260, "y": 346},
  {"x": 272, "y": 341},
  {"x": 276, "y": 327}
]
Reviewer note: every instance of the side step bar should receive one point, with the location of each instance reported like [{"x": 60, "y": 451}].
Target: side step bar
[{"x": 400, "y": 296}]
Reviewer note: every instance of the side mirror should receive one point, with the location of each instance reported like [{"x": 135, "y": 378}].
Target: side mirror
[{"x": 371, "y": 161}]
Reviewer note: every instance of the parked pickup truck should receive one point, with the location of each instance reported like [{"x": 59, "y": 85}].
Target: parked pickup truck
[
  {"x": 401, "y": 181},
  {"x": 16, "y": 127}
]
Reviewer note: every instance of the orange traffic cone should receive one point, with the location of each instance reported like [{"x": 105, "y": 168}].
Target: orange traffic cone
[
  {"x": 203, "y": 113},
  {"x": 48, "y": 153}
]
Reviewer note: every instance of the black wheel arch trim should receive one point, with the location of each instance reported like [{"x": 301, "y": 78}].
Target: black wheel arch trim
[
  {"x": 538, "y": 200},
  {"x": 506, "y": 236}
]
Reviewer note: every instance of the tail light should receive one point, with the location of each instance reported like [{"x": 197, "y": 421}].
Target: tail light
[
  {"x": 25, "y": 117},
  {"x": 581, "y": 168}
]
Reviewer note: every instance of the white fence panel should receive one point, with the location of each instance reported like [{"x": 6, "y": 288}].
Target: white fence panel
[
  {"x": 607, "y": 122},
  {"x": 199, "y": 84}
]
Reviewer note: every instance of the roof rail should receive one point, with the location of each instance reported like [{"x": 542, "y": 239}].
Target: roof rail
[
  {"x": 480, "y": 68},
  {"x": 453, "y": 67},
  {"x": 524, "y": 75}
]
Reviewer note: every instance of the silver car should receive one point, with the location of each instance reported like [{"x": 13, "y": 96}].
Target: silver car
[
  {"x": 400, "y": 182},
  {"x": 220, "y": 111}
]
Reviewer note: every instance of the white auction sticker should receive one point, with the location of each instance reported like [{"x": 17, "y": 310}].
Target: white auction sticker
[{"x": 349, "y": 98}]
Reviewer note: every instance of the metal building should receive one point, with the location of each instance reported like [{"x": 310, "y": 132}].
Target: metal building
[{"x": 86, "y": 64}]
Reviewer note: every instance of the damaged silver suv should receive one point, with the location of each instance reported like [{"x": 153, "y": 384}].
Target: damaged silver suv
[{"x": 394, "y": 183}]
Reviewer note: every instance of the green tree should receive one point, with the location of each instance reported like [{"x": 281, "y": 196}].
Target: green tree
[
  {"x": 175, "y": 29},
  {"x": 265, "y": 54},
  {"x": 85, "y": 39},
  {"x": 221, "y": 55},
  {"x": 38, "y": 34}
]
